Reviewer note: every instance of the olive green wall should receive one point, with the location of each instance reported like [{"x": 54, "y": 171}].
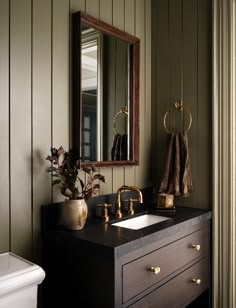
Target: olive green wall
[
  {"x": 35, "y": 87},
  {"x": 182, "y": 62}
]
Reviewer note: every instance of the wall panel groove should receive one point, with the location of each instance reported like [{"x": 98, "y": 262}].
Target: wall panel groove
[
  {"x": 41, "y": 102},
  {"x": 140, "y": 32},
  {"x": 4, "y": 126},
  {"x": 60, "y": 81},
  {"x": 20, "y": 139},
  {"x": 148, "y": 94}
]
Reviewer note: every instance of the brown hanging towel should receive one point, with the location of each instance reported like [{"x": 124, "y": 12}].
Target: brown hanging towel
[
  {"x": 186, "y": 179},
  {"x": 119, "y": 147},
  {"x": 177, "y": 176}
]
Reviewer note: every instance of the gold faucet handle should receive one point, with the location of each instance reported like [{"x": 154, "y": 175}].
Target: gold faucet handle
[
  {"x": 105, "y": 207},
  {"x": 131, "y": 205}
]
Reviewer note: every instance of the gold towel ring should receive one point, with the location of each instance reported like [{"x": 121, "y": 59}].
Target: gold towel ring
[
  {"x": 178, "y": 105},
  {"x": 123, "y": 110}
]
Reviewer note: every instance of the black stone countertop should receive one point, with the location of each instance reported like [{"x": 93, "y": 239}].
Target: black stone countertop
[{"x": 121, "y": 239}]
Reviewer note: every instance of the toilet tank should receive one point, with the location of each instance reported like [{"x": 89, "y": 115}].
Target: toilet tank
[{"x": 19, "y": 281}]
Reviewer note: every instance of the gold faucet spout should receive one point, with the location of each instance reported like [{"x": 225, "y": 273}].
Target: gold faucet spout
[
  {"x": 118, "y": 212},
  {"x": 122, "y": 188},
  {"x": 140, "y": 195}
]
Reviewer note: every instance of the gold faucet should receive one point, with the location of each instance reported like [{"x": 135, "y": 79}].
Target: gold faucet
[{"x": 118, "y": 212}]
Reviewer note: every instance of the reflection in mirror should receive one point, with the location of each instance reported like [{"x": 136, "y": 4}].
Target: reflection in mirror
[
  {"x": 106, "y": 103},
  {"x": 91, "y": 91},
  {"x": 104, "y": 78}
]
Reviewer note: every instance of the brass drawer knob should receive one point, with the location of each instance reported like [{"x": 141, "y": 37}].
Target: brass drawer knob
[
  {"x": 196, "y": 281},
  {"x": 196, "y": 247},
  {"x": 155, "y": 270}
]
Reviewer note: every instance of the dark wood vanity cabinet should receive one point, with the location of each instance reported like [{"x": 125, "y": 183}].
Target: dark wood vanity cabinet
[{"x": 112, "y": 267}]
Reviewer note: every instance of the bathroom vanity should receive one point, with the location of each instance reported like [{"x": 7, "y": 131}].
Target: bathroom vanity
[{"x": 167, "y": 264}]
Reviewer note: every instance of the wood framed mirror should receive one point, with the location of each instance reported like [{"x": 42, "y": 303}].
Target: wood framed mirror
[{"x": 105, "y": 93}]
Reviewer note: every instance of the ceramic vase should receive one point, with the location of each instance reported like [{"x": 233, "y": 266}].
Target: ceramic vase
[{"x": 74, "y": 214}]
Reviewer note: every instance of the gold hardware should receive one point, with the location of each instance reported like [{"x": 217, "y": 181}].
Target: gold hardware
[
  {"x": 118, "y": 212},
  {"x": 123, "y": 110},
  {"x": 179, "y": 106},
  {"x": 196, "y": 281},
  {"x": 131, "y": 206},
  {"x": 105, "y": 207},
  {"x": 196, "y": 247},
  {"x": 155, "y": 270}
]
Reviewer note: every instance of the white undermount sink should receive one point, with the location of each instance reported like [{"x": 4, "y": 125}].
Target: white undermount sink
[{"x": 140, "y": 222}]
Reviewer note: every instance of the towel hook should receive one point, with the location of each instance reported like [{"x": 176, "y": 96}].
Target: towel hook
[
  {"x": 180, "y": 107},
  {"x": 123, "y": 110}
]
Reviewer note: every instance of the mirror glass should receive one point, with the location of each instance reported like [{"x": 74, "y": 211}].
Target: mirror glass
[{"x": 105, "y": 93}]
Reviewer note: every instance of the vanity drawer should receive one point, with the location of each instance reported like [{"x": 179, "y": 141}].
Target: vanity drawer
[
  {"x": 137, "y": 276},
  {"x": 180, "y": 290}
]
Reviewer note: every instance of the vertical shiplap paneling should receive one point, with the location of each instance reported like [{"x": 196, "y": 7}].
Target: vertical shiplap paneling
[
  {"x": 41, "y": 113},
  {"x": 118, "y": 21},
  {"x": 106, "y": 11},
  {"x": 141, "y": 170},
  {"x": 153, "y": 93},
  {"x": 92, "y": 7},
  {"x": 118, "y": 14},
  {"x": 148, "y": 95},
  {"x": 190, "y": 97},
  {"x": 182, "y": 35},
  {"x": 4, "y": 125},
  {"x": 37, "y": 95},
  {"x": 161, "y": 56},
  {"x": 106, "y": 15},
  {"x": 176, "y": 60},
  {"x": 204, "y": 109},
  {"x": 130, "y": 16},
  {"x": 20, "y": 127},
  {"x": 130, "y": 28},
  {"x": 60, "y": 78},
  {"x": 77, "y": 5}
]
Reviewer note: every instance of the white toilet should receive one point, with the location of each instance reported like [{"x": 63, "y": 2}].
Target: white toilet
[{"x": 19, "y": 281}]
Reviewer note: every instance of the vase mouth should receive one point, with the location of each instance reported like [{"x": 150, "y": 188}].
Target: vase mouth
[
  {"x": 81, "y": 198},
  {"x": 74, "y": 200}
]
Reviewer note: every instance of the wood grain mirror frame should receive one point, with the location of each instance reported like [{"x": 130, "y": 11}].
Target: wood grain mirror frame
[{"x": 81, "y": 18}]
